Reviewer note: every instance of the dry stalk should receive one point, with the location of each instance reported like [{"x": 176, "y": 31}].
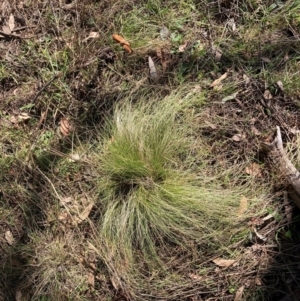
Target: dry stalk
[{"x": 283, "y": 164}]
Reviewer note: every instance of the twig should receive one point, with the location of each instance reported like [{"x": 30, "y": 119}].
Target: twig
[
  {"x": 284, "y": 165},
  {"x": 9, "y": 35},
  {"x": 46, "y": 86}
]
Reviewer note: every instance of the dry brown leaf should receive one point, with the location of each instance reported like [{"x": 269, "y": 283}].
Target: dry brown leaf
[
  {"x": 218, "y": 81},
  {"x": 253, "y": 170},
  {"x": 265, "y": 59},
  {"x": 23, "y": 116},
  {"x": 9, "y": 237},
  {"x": 217, "y": 52},
  {"x": 152, "y": 68},
  {"x": 195, "y": 277},
  {"x": 197, "y": 89},
  {"x": 229, "y": 97},
  {"x": 42, "y": 118},
  {"x": 280, "y": 85},
  {"x": 114, "y": 282},
  {"x": 263, "y": 238},
  {"x": 231, "y": 24},
  {"x": 84, "y": 215},
  {"x": 13, "y": 119},
  {"x": 182, "y": 47},
  {"x": 255, "y": 131},
  {"x": 246, "y": 79},
  {"x": 239, "y": 293},
  {"x": 18, "y": 296},
  {"x": 224, "y": 263},
  {"x": 164, "y": 33},
  {"x": 74, "y": 157},
  {"x": 6, "y": 29},
  {"x": 267, "y": 95},
  {"x": 66, "y": 200},
  {"x": 238, "y": 137},
  {"x": 70, "y": 5},
  {"x": 124, "y": 43},
  {"x": 11, "y": 22},
  {"x": 243, "y": 206},
  {"x": 258, "y": 281},
  {"x": 65, "y": 127},
  {"x": 92, "y": 35},
  {"x": 211, "y": 125},
  {"x": 91, "y": 279}
]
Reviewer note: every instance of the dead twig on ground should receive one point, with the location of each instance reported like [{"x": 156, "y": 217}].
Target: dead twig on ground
[
  {"x": 45, "y": 86},
  {"x": 282, "y": 163}
]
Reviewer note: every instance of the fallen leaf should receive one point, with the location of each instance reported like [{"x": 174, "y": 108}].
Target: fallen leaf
[
  {"x": 23, "y": 116},
  {"x": 163, "y": 55},
  {"x": 69, "y": 6},
  {"x": 195, "y": 277},
  {"x": 229, "y": 97},
  {"x": 217, "y": 52},
  {"x": 243, "y": 206},
  {"x": 65, "y": 127},
  {"x": 238, "y": 137},
  {"x": 42, "y": 118},
  {"x": 239, "y": 293},
  {"x": 182, "y": 47},
  {"x": 74, "y": 157},
  {"x": 11, "y": 22},
  {"x": 19, "y": 118},
  {"x": 164, "y": 33},
  {"x": 92, "y": 35},
  {"x": 124, "y": 43},
  {"x": 211, "y": 125},
  {"x": 152, "y": 68},
  {"x": 6, "y": 29},
  {"x": 218, "y": 81},
  {"x": 265, "y": 59},
  {"x": 258, "y": 281},
  {"x": 253, "y": 170},
  {"x": 280, "y": 85},
  {"x": 255, "y": 131},
  {"x": 267, "y": 95},
  {"x": 66, "y": 200},
  {"x": 91, "y": 279},
  {"x": 9, "y": 237},
  {"x": 18, "y": 295},
  {"x": 64, "y": 217},
  {"x": 127, "y": 48},
  {"x": 231, "y": 24},
  {"x": 294, "y": 130},
  {"x": 246, "y": 79},
  {"x": 84, "y": 215},
  {"x": 263, "y": 238},
  {"x": 224, "y": 263},
  {"x": 197, "y": 89},
  {"x": 269, "y": 216}
]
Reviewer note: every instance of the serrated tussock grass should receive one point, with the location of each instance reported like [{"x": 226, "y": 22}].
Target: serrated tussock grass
[
  {"x": 53, "y": 267},
  {"x": 147, "y": 195}
]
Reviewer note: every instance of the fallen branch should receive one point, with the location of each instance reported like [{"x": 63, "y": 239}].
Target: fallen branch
[{"x": 284, "y": 166}]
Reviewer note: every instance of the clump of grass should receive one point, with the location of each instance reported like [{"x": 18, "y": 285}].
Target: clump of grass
[
  {"x": 149, "y": 197},
  {"x": 54, "y": 267}
]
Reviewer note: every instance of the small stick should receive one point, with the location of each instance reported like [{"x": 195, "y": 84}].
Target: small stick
[
  {"x": 45, "y": 86},
  {"x": 284, "y": 165}
]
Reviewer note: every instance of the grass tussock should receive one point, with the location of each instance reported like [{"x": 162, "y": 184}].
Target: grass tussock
[
  {"x": 55, "y": 267},
  {"x": 147, "y": 194}
]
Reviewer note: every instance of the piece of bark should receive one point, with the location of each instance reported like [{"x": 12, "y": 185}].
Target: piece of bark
[{"x": 284, "y": 166}]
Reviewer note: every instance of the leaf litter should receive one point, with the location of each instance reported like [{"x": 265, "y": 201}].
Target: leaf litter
[{"x": 224, "y": 263}]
